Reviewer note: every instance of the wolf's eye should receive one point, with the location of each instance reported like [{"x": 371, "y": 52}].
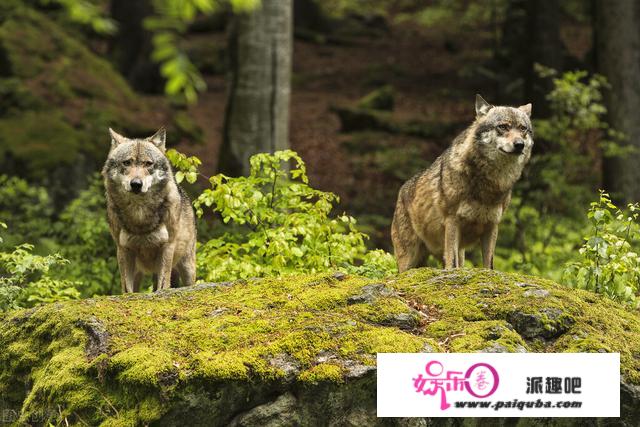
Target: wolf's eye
[
  {"x": 504, "y": 127},
  {"x": 523, "y": 128},
  {"x": 148, "y": 163},
  {"x": 127, "y": 163}
]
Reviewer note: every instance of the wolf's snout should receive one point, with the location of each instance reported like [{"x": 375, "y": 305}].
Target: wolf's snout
[
  {"x": 136, "y": 185},
  {"x": 518, "y": 146}
]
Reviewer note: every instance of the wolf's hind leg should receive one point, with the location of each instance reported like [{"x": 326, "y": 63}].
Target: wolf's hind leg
[
  {"x": 412, "y": 256},
  {"x": 137, "y": 279},
  {"x": 175, "y": 278},
  {"x": 408, "y": 248},
  {"x": 451, "y": 243}
]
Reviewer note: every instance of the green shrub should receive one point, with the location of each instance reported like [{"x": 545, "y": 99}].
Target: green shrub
[
  {"x": 25, "y": 278},
  {"x": 278, "y": 224},
  {"x": 27, "y": 210},
  {"x": 83, "y": 237},
  {"x": 608, "y": 265}
]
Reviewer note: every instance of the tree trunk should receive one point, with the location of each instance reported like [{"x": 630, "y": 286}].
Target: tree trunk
[
  {"x": 131, "y": 47},
  {"x": 257, "y": 113},
  {"x": 545, "y": 48},
  {"x": 530, "y": 35},
  {"x": 618, "y": 58}
]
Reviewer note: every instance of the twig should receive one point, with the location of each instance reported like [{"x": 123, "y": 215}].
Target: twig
[
  {"x": 81, "y": 419},
  {"x": 107, "y": 400},
  {"x": 446, "y": 340},
  {"x": 273, "y": 186}
]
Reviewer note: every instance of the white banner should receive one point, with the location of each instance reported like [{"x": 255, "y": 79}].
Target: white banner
[{"x": 498, "y": 385}]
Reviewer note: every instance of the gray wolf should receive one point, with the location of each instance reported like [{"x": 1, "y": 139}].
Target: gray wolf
[
  {"x": 150, "y": 217},
  {"x": 460, "y": 199}
]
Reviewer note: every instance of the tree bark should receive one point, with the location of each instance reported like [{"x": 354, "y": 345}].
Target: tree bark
[
  {"x": 618, "y": 58},
  {"x": 545, "y": 48},
  {"x": 530, "y": 35},
  {"x": 257, "y": 113},
  {"x": 131, "y": 47}
]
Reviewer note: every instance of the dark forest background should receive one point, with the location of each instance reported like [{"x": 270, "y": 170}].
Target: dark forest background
[{"x": 367, "y": 92}]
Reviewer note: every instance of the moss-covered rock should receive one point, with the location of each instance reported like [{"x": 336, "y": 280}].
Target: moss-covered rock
[
  {"x": 52, "y": 86},
  {"x": 288, "y": 351}
]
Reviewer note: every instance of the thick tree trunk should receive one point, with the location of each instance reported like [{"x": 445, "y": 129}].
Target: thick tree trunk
[
  {"x": 131, "y": 47},
  {"x": 618, "y": 57},
  {"x": 530, "y": 35},
  {"x": 257, "y": 114},
  {"x": 545, "y": 47}
]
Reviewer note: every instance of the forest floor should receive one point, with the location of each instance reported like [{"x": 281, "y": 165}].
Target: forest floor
[{"x": 434, "y": 78}]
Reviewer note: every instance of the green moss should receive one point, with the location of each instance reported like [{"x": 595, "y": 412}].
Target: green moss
[
  {"x": 130, "y": 360},
  {"x": 220, "y": 367},
  {"x": 58, "y": 97},
  {"x": 323, "y": 372},
  {"x": 382, "y": 310},
  {"x": 142, "y": 365},
  {"x": 460, "y": 298},
  {"x": 57, "y": 64}
]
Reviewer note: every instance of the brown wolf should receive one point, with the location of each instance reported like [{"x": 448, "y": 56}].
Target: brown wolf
[
  {"x": 151, "y": 219},
  {"x": 462, "y": 196}
]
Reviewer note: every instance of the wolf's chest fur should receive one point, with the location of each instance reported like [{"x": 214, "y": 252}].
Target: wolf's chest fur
[
  {"x": 139, "y": 215},
  {"x": 155, "y": 238}
]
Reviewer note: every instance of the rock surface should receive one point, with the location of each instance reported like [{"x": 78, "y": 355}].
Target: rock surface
[{"x": 289, "y": 351}]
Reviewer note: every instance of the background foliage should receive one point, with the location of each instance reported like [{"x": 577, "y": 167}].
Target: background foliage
[{"x": 385, "y": 85}]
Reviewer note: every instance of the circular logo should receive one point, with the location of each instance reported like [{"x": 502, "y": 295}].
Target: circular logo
[{"x": 481, "y": 380}]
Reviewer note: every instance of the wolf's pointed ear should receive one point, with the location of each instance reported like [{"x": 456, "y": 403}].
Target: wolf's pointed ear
[
  {"x": 526, "y": 109},
  {"x": 482, "y": 106},
  {"x": 116, "y": 138},
  {"x": 159, "y": 138}
]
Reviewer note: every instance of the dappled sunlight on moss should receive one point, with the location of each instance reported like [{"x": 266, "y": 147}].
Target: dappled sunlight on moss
[{"x": 323, "y": 372}]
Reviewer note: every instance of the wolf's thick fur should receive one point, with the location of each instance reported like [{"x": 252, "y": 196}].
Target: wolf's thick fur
[
  {"x": 151, "y": 219},
  {"x": 461, "y": 197}
]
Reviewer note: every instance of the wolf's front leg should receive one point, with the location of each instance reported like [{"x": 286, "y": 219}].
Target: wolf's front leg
[
  {"x": 187, "y": 266},
  {"x": 165, "y": 264},
  {"x": 451, "y": 243},
  {"x": 127, "y": 267},
  {"x": 461, "y": 257},
  {"x": 489, "y": 238}
]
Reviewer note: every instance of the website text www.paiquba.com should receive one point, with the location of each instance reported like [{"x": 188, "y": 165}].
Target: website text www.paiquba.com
[{"x": 519, "y": 404}]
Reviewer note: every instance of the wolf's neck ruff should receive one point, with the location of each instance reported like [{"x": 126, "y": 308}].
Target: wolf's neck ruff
[
  {"x": 140, "y": 216},
  {"x": 490, "y": 180}
]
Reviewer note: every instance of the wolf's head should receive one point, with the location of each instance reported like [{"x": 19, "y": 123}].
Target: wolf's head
[
  {"x": 137, "y": 165},
  {"x": 503, "y": 131}
]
